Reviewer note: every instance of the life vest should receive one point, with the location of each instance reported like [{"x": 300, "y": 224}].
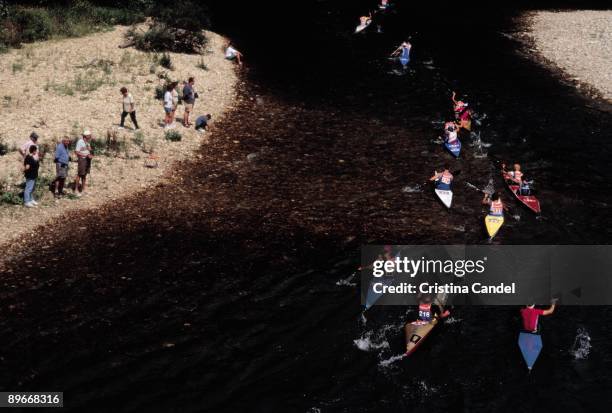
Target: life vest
[
  {"x": 425, "y": 312},
  {"x": 446, "y": 178},
  {"x": 497, "y": 207},
  {"x": 517, "y": 175}
]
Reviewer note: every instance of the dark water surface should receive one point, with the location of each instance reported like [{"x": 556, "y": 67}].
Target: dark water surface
[{"x": 223, "y": 290}]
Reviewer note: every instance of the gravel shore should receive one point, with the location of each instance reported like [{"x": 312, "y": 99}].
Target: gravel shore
[
  {"x": 579, "y": 43},
  {"x": 61, "y": 87}
]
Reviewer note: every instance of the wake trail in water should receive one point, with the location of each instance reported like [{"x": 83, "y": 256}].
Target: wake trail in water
[{"x": 582, "y": 345}]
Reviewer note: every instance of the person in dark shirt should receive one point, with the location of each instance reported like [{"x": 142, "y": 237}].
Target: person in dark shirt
[
  {"x": 201, "y": 123},
  {"x": 30, "y": 170},
  {"x": 62, "y": 160},
  {"x": 189, "y": 97}
]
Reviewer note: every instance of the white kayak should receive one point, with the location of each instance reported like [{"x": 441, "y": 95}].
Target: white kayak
[{"x": 446, "y": 196}]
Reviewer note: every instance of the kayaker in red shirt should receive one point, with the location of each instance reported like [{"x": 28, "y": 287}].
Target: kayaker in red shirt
[
  {"x": 426, "y": 312},
  {"x": 462, "y": 113},
  {"x": 530, "y": 316}
]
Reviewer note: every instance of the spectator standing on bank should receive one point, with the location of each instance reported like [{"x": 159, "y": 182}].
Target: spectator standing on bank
[
  {"x": 30, "y": 170},
  {"x": 84, "y": 156},
  {"x": 175, "y": 100},
  {"x": 128, "y": 108},
  {"x": 62, "y": 162},
  {"x": 168, "y": 105},
  {"x": 25, "y": 148},
  {"x": 189, "y": 97}
]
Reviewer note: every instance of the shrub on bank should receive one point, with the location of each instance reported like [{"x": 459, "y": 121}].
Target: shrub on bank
[
  {"x": 176, "y": 29},
  {"x": 35, "y": 24},
  {"x": 20, "y": 24},
  {"x": 173, "y": 136}
]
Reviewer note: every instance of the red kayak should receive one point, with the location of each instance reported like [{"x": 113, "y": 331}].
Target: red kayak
[{"x": 529, "y": 201}]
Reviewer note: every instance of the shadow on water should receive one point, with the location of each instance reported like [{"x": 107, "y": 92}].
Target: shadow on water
[{"x": 218, "y": 291}]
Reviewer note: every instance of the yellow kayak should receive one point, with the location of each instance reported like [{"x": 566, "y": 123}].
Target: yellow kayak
[{"x": 493, "y": 224}]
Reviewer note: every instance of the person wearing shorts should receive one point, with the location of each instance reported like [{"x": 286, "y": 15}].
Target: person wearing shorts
[
  {"x": 233, "y": 54},
  {"x": 84, "y": 156},
  {"x": 168, "y": 105},
  {"x": 189, "y": 97},
  {"x": 62, "y": 161}
]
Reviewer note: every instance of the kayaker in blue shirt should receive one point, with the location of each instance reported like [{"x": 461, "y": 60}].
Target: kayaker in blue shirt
[
  {"x": 443, "y": 179},
  {"x": 403, "y": 51},
  {"x": 62, "y": 162},
  {"x": 426, "y": 311}
]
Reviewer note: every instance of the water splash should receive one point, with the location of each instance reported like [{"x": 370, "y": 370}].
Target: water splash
[
  {"x": 452, "y": 320},
  {"x": 371, "y": 341},
  {"x": 346, "y": 282},
  {"x": 582, "y": 345},
  {"x": 412, "y": 189},
  {"x": 391, "y": 360}
]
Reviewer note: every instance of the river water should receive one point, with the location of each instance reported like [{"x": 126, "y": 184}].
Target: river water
[{"x": 231, "y": 288}]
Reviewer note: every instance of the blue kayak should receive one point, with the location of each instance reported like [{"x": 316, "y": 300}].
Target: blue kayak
[
  {"x": 530, "y": 345},
  {"x": 405, "y": 57},
  {"x": 372, "y": 297},
  {"x": 454, "y": 148}
]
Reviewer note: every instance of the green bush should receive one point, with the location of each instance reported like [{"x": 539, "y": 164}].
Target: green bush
[
  {"x": 35, "y": 24},
  {"x": 166, "y": 61},
  {"x": 173, "y": 136},
  {"x": 4, "y": 148}
]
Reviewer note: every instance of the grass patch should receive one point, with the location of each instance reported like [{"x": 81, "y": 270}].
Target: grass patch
[
  {"x": 165, "y": 61},
  {"x": 17, "y": 66},
  {"x": 202, "y": 65},
  {"x": 173, "y": 136},
  {"x": 5, "y": 148},
  {"x": 24, "y": 24},
  {"x": 84, "y": 83}
]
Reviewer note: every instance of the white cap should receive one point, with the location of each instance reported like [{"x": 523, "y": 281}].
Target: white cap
[{"x": 87, "y": 132}]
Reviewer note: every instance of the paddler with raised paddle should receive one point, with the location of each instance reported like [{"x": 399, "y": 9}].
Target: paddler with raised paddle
[{"x": 531, "y": 315}]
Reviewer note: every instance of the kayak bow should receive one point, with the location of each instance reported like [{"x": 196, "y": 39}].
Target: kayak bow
[
  {"x": 531, "y": 346},
  {"x": 453, "y": 147},
  {"x": 493, "y": 223},
  {"x": 417, "y": 331},
  {"x": 446, "y": 196}
]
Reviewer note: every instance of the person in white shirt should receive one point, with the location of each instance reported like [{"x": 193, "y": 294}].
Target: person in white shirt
[
  {"x": 233, "y": 54},
  {"x": 25, "y": 148},
  {"x": 84, "y": 156},
  {"x": 168, "y": 105},
  {"x": 128, "y": 108}
]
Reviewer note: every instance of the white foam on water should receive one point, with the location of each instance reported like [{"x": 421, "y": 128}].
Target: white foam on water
[
  {"x": 347, "y": 281},
  {"x": 516, "y": 217},
  {"x": 368, "y": 342},
  {"x": 460, "y": 228},
  {"x": 582, "y": 345},
  {"x": 427, "y": 389},
  {"x": 452, "y": 320},
  {"x": 412, "y": 189},
  {"x": 391, "y": 360}
]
